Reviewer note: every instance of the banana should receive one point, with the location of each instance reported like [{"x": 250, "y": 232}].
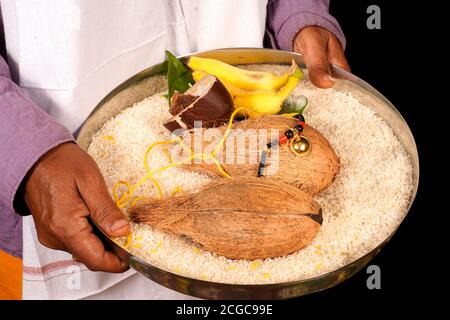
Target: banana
[
  {"x": 232, "y": 89},
  {"x": 259, "y": 102},
  {"x": 244, "y": 79},
  {"x": 268, "y": 103}
]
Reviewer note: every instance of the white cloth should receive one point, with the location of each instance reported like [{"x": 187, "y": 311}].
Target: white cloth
[{"x": 69, "y": 54}]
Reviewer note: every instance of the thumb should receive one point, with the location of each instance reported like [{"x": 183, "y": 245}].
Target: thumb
[
  {"x": 313, "y": 46},
  {"x": 336, "y": 54},
  {"x": 104, "y": 211},
  {"x": 320, "y": 75},
  {"x": 316, "y": 60}
]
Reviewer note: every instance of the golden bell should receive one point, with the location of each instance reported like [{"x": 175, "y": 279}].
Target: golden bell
[{"x": 300, "y": 145}]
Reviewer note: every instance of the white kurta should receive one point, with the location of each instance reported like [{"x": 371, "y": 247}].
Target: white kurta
[{"x": 69, "y": 54}]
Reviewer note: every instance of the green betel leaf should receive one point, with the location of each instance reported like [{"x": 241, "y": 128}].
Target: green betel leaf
[
  {"x": 297, "y": 105},
  {"x": 178, "y": 76}
]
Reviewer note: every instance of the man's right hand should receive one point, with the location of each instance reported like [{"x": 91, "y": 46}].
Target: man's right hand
[
  {"x": 63, "y": 189},
  {"x": 320, "y": 48}
]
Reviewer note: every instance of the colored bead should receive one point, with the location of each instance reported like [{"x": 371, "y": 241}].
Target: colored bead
[
  {"x": 300, "y": 117},
  {"x": 302, "y": 123},
  {"x": 289, "y": 134},
  {"x": 262, "y": 164},
  {"x": 269, "y": 145},
  {"x": 300, "y": 145},
  {"x": 299, "y": 127},
  {"x": 283, "y": 139}
]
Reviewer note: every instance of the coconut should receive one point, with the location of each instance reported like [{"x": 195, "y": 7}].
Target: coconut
[
  {"x": 238, "y": 218},
  {"x": 207, "y": 101},
  {"x": 311, "y": 172}
]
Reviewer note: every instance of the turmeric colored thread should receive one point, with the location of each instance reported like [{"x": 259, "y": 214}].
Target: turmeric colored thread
[
  {"x": 136, "y": 200},
  {"x": 109, "y": 138},
  {"x": 126, "y": 197},
  {"x": 176, "y": 190},
  {"x": 116, "y": 186},
  {"x": 129, "y": 240},
  {"x": 168, "y": 155}
]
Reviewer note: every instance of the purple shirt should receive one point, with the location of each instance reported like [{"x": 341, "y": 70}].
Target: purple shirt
[
  {"x": 27, "y": 132},
  {"x": 285, "y": 18}
]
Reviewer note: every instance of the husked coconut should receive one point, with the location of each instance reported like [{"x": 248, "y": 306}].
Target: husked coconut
[
  {"x": 311, "y": 172},
  {"x": 238, "y": 218}
]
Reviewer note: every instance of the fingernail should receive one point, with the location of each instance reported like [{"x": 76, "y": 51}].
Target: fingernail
[
  {"x": 118, "y": 225},
  {"x": 328, "y": 77}
]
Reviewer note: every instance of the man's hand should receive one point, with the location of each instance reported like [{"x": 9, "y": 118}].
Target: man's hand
[
  {"x": 320, "y": 48},
  {"x": 63, "y": 189}
]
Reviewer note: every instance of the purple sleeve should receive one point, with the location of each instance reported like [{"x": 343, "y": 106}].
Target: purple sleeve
[
  {"x": 26, "y": 133},
  {"x": 285, "y": 18}
]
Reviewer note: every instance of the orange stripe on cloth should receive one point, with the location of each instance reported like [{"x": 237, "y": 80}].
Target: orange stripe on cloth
[{"x": 10, "y": 277}]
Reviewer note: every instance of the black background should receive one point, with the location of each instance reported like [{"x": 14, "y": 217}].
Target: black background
[
  {"x": 398, "y": 61},
  {"x": 393, "y": 60}
]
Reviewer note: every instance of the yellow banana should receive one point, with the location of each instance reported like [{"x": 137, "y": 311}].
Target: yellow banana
[
  {"x": 268, "y": 103},
  {"x": 244, "y": 79},
  {"x": 232, "y": 89},
  {"x": 259, "y": 102}
]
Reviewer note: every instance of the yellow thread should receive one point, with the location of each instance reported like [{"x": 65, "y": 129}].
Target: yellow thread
[
  {"x": 289, "y": 115},
  {"x": 125, "y": 198},
  {"x": 168, "y": 155},
  {"x": 128, "y": 243},
  {"x": 231, "y": 267},
  {"x": 136, "y": 200},
  {"x": 255, "y": 265},
  {"x": 109, "y": 138},
  {"x": 265, "y": 275},
  {"x": 227, "y": 132},
  {"x": 155, "y": 249},
  {"x": 116, "y": 186},
  {"x": 156, "y": 184},
  {"x": 147, "y": 168},
  {"x": 177, "y": 189}
]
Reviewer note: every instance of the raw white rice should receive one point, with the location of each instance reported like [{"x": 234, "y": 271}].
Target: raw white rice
[{"x": 361, "y": 208}]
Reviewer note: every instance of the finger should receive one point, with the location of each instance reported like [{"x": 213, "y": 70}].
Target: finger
[
  {"x": 315, "y": 54},
  {"x": 88, "y": 249},
  {"x": 103, "y": 209},
  {"x": 336, "y": 53}
]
